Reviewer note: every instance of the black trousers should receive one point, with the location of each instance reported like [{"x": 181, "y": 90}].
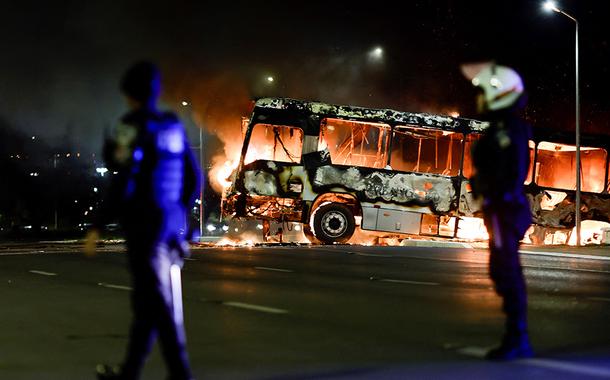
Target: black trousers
[
  {"x": 157, "y": 310},
  {"x": 506, "y": 225}
]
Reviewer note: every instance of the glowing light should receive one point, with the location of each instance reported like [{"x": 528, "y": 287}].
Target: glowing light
[
  {"x": 377, "y": 52},
  {"x": 225, "y": 228},
  {"x": 223, "y": 172},
  {"x": 472, "y": 229},
  {"x": 185, "y": 103},
  {"x": 33, "y": 137},
  {"x": 454, "y": 114},
  {"x": 550, "y": 6},
  {"x": 270, "y": 79},
  {"x": 95, "y": 189},
  {"x": 101, "y": 171},
  {"x": 259, "y": 226},
  {"x": 591, "y": 232},
  {"x": 211, "y": 227}
]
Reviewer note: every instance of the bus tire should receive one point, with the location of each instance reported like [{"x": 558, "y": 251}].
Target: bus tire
[{"x": 333, "y": 223}]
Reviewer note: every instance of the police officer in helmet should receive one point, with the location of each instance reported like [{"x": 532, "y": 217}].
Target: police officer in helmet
[
  {"x": 154, "y": 188},
  {"x": 501, "y": 159}
]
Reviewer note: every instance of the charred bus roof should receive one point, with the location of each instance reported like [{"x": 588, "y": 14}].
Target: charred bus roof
[{"x": 286, "y": 110}]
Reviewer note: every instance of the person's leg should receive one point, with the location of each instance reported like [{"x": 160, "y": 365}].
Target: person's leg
[
  {"x": 143, "y": 328},
  {"x": 141, "y": 337},
  {"x": 172, "y": 337},
  {"x": 507, "y": 275}
]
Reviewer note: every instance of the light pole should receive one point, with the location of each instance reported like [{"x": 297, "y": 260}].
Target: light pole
[
  {"x": 201, "y": 165},
  {"x": 551, "y": 6}
]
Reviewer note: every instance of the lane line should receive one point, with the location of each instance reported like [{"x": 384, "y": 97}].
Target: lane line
[
  {"x": 566, "y": 269},
  {"x": 408, "y": 282},
  {"x": 274, "y": 269},
  {"x": 603, "y": 299},
  {"x": 249, "y": 306},
  {"x": 43, "y": 273},
  {"x": 479, "y": 352},
  {"x": 112, "y": 286},
  {"x": 474, "y": 351},
  {"x": 566, "y": 255},
  {"x": 370, "y": 254},
  {"x": 569, "y": 367},
  {"x": 15, "y": 253}
]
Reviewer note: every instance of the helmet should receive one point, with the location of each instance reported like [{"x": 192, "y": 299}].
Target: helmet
[
  {"x": 501, "y": 85},
  {"x": 142, "y": 82}
]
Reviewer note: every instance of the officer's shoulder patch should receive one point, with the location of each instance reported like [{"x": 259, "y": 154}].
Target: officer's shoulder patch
[{"x": 171, "y": 139}]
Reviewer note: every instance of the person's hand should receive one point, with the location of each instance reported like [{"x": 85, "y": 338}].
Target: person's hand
[{"x": 91, "y": 239}]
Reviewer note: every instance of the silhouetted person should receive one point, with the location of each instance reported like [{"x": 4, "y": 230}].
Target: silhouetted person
[
  {"x": 151, "y": 194},
  {"x": 501, "y": 159}
]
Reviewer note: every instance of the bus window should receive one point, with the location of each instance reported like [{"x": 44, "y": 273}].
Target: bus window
[
  {"x": 426, "y": 151},
  {"x": 530, "y": 171},
  {"x": 275, "y": 143},
  {"x": 469, "y": 170},
  {"x": 355, "y": 143},
  {"x": 556, "y": 167}
]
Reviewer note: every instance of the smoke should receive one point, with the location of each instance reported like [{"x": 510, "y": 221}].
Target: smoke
[{"x": 217, "y": 101}]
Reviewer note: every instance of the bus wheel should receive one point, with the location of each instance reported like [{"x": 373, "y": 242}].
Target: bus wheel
[{"x": 333, "y": 223}]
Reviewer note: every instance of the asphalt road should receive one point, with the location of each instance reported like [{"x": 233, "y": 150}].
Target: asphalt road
[{"x": 345, "y": 312}]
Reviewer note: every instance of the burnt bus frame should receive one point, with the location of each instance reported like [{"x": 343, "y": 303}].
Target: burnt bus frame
[{"x": 295, "y": 113}]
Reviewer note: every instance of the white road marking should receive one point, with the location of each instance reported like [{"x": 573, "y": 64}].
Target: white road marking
[
  {"x": 111, "y": 286},
  {"x": 274, "y": 269},
  {"x": 409, "y": 282},
  {"x": 248, "y": 306},
  {"x": 567, "y": 255},
  {"x": 568, "y": 367},
  {"x": 566, "y": 269},
  {"x": 370, "y": 254},
  {"x": 479, "y": 352},
  {"x": 20, "y": 252},
  {"x": 43, "y": 273},
  {"x": 599, "y": 299}
]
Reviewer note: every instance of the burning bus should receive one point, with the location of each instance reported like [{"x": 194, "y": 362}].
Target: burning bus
[{"x": 334, "y": 167}]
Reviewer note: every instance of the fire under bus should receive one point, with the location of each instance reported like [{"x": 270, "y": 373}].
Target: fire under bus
[{"x": 333, "y": 167}]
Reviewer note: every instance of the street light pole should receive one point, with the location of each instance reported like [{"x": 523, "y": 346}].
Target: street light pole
[
  {"x": 195, "y": 119},
  {"x": 201, "y": 214},
  {"x": 552, "y": 6}
]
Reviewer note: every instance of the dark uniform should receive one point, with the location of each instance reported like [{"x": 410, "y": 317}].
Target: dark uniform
[
  {"x": 152, "y": 193},
  {"x": 502, "y": 159}
]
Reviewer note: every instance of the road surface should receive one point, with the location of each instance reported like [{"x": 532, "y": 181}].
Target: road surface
[{"x": 330, "y": 312}]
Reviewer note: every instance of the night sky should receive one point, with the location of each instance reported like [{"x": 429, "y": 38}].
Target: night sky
[{"x": 61, "y": 61}]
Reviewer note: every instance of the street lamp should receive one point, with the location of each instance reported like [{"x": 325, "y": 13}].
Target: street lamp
[
  {"x": 376, "y": 54},
  {"x": 551, "y": 6},
  {"x": 202, "y": 168}
]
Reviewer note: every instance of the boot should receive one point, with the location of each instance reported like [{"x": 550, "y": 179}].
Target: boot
[
  {"x": 107, "y": 372},
  {"x": 512, "y": 347}
]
